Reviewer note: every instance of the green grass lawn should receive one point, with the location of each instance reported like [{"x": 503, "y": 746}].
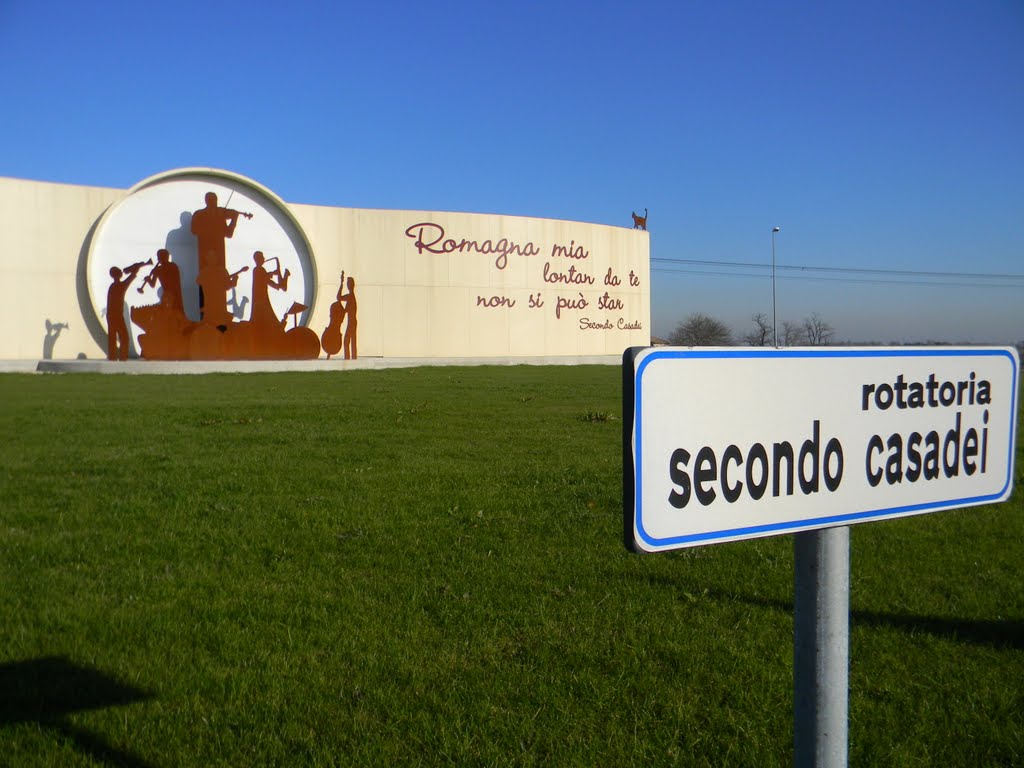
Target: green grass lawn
[{"x": 425, "y": 567}]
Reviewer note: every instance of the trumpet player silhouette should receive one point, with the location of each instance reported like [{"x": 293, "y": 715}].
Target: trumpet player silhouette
[
  {"x": 117, "y": 328},
  {"x": 167, "y": 274}
]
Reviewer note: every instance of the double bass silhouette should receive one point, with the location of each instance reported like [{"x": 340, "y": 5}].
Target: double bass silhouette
[{"x": 331, "y": 338}]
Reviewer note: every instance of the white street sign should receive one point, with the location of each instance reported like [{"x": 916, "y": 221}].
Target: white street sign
[{"x": 725, "y": 444}]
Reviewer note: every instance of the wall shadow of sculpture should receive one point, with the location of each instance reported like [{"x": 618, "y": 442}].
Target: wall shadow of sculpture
[
  {"x": 93, "y": 323},
  {"x": 46, "y": 690},
  {"x": 181, "y": 244},
  {"x": 236, "y": 306},
  {"x": 53, "y": 331},
  {"x": 202, "y": 318}
]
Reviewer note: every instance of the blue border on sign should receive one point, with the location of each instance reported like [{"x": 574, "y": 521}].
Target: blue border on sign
[{"x": 818, "y": 522}]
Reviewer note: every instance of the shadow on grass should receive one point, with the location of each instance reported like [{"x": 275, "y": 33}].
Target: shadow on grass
[
  {"x": 1002, "y": 634},
  {"x": 46, "y": 690},
  {"x": 1005, "y": 634}
]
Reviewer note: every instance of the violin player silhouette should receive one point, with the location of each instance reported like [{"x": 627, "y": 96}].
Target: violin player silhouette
[{"x": 212, "y": 226}]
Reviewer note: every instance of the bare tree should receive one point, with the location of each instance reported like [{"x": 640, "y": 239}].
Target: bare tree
[
  {"x": 761, "y": 336},
  {"x": 792, "y": 334},
  {"x": 816, "y": 331},
  {"x": 700, "y": 330}
]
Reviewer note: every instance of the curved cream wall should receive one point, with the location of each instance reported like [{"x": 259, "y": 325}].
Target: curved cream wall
[
  {"x": 554, "y": 291},
  {"x": 414, "y": 303},
  {"x": 44, "y": 233}
]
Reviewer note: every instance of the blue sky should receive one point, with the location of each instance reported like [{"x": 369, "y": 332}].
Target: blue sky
[{"x": 880, "y": 136}]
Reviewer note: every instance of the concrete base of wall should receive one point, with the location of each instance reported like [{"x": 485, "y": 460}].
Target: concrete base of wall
[
  {"x": 276, "y": 366},
  {"x": 19, "y": 366}
]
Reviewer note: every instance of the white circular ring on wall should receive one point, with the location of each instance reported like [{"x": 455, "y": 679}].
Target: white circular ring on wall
[{"x": 156, "y": 213}]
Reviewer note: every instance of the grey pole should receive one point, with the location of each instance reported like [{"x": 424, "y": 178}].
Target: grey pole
[
  {"x": 775, "y": 329},
  {"x": 821, "y": 648}
]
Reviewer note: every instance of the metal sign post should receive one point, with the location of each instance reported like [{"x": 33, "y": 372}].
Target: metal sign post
[
  {"x": 728, "y": 444},
  {"x": 821, "y": 647}
]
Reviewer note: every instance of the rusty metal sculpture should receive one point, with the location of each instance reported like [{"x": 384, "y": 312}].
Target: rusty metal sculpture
[
  {"x": 117, "y": 328},
  {"x": 344, "y": 308},
  {"x": 349, "y": 300},
  {"x": 212, "y": 226},
  {"x": 169, "y": 334},
  {"x": 331, "y": 339}
]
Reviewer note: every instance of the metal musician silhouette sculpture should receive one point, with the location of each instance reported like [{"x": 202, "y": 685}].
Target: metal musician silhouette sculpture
[
  {"x": 349, "y": 300},
  {"x": 343, "y": 308},
  {"x": 169, "y": 334},
  {"x": 266, "y": 335},
  {"x": 165, "y": 322},
  {"x": 212, "y": 225},
  {"x": 166, "y": 273},
  {"x": 117, "y": 328}
]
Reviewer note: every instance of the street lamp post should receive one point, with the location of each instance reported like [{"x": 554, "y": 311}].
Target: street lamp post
[{"x": 775, "y": 325}]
